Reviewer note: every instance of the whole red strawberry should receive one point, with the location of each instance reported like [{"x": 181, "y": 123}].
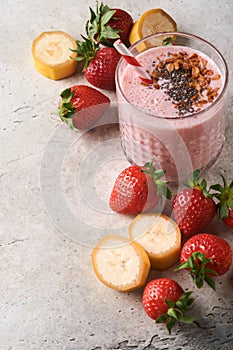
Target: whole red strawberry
[
  {"x": 193, "y": 207},
  {"x": 82, "y": 106},
  {"x": 106, "y": 25},
  {"x": 224, "y": 196},
  {"x": 205, "y": 255},
  {"x": 138, "y": 189},
  {"x": 101, "y": 63},
  {"x": 165, "y": 301},
  {"x": 101, "y": 70}
]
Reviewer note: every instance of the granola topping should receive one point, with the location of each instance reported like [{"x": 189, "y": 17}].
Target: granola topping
[{"x": 186, "y": 80}]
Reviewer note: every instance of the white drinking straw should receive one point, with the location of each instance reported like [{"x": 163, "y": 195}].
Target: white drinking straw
[{"x": 130, "y": 59}]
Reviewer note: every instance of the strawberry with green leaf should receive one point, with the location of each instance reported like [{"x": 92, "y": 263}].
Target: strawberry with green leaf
[
  {"x": 107, "y": 25},
  {"x": 166, "y": 302},
  {"x": 138, "y": 189},
  {"x": 193, "y": 206},
  {"x": 205, "y": 255},
  {"x": 100, "y": 63},
  {"x": 224, "y": 195},
  {"x": 82, "y": 106}
]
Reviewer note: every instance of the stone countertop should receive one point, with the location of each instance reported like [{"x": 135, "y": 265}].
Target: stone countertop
[{"x": 53, "y": 205}]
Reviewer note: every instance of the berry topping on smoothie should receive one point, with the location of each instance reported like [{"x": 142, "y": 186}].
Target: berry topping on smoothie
[{"x": 186, "y": 80}]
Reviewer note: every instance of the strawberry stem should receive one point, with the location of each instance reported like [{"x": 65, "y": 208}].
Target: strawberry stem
[
  {"x": 201, "y": 185},
  {"x": 162, "y": 188},
  {"x": 177, "y": 311},
  {"x": 66, "y": 111},
  {"x": 224, "y": 195},
  {"x": 196, "y": 264},
  {"x": 86, "y": 50},
  {"x": 97, "y": 27}
]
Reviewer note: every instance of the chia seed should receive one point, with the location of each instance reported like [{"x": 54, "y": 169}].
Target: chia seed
[{"x": 177, "y": 86}]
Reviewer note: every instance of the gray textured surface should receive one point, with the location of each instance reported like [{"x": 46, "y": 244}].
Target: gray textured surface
[{"x": 49, "y": 296}]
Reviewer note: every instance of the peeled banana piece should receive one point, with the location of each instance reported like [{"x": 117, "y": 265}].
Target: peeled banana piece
[
  {"x": 52, "y": 54},
  {"x": 120, "y": 264},
  {"x": 160, "y": 237}
]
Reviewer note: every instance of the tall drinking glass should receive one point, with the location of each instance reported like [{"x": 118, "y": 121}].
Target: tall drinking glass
[{"x": 179, "y": 120}]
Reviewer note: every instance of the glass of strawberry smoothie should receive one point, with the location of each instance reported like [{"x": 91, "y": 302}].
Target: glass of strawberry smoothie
[{"x": 178, "y": 120}]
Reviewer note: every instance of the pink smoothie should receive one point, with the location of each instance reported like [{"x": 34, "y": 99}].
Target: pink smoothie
[{"x": 178, "y": 121}]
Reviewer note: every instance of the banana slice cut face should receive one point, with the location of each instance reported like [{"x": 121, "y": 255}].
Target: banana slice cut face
[
  {"x": 52, "y": 55},
  {"x": 120, "y": 264},
  {"x": 160, "y": 236}
]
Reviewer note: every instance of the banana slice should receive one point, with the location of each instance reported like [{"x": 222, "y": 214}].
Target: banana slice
[
  {"x": 120, "y": 264},
  {"x": 52, "y": 55},
  {"x": 152, "y": 21},
  {"x": 160, "y": 236}
]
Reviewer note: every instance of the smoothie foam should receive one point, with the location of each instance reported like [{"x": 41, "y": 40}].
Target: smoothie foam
[{"x": 161, "y": 123}]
